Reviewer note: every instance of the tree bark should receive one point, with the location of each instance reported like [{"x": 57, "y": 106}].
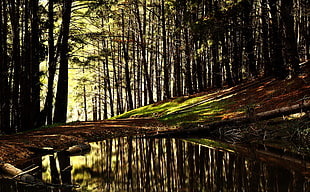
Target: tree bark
[
  {"x": 4, "y": 71},
  {"x": 290, "y": 36},
  {"x": 14, "y": 17},
  {"x": 177, "y": 55},
  {"x": 164, "y": 56},
  {"x": 277, "y": 67},
  {"x": 265, "y": 39},
  {"x": 141, "y": 30},
  {"x": 249, "y": 38},
  {"x": 188, "y": 72},
  {"x": 60, "y": 113},
  {"x": 34, "y": 62},
  {"x": 126, "y": 58},
  {"x": 47, "y": 112}
]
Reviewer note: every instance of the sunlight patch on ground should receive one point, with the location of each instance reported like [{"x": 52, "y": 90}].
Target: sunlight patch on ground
[{"x": 232, "y": 115}]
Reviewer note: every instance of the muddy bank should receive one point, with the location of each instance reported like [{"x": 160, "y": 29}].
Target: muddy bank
[{"x": 16, "y": 148}]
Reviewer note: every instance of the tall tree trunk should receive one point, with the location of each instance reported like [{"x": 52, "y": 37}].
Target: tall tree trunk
[
  {"x": 188, "y": 73},
  {"x": 15, "y": 16},
  {"x": 117, "y": 81},
  {"x": 225, "y": 58},
  {"x": 26, "y": 81},
  {"x": 277, "y": 64},
  {"x": 236, "y": 55},
  {"x": 249, "y": 37},
  {"x": 47, "y": 112},
  {"x": 4, "y": 71},
  {"x": 177, "y": 55},
  {"x": 290, "y": 36},
  {"x": 265, "y": 39},
  {"x": 126, "y": 58},
  {"x": 158, "y": 72},
  {"x": 141, "y": 29},
  {"x": 107, "y": 80},
  {"x": 216, "y": 68},
  {"x": 60, "y": 114},
  {"x": 35, "y": 65},
  {"x": 165, "y": 63},
  {"x": 85, "y": 99}
]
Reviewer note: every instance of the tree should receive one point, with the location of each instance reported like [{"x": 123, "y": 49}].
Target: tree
[
  {"x": 291, "y": 51},
  {"x": 277, "y": 67},
  {"x": 142, "y": 44},
  {"x": 247, "y": 7},
  {"x": 46, "y": 115},
  {"x": 60, "y": 113},
  {"x": 126, "y": 58},
  {"x": 4, "y": 71},
  {"x": 164, "y": 56}
]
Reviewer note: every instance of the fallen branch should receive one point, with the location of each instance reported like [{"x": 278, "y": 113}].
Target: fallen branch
[
  {"x": 25, "y": 172},
  {"x": 283, "y": 111},
  {"x": 209, "y": 127},
  {"x": 14, "y": 173}
]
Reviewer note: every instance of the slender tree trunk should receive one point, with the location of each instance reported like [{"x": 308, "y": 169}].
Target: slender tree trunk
[
  {"x": 117, "y": 81},
  {"x": 35, "y": 65},
  {"x": 14, "y": 16},
  {"x": 165, "y": 63},
  {"x": 216, "y": 68},
  {"x": 290, "y": 36},
  {"x": 30, "y": 84},
  {"x": 107, "y": 80},
  {"x": 47, "y": 112},
  {"x": 249, "y": 37},
  {"x": 126, "y": 58},
  {"x": 188, "y": 73},
  {"x": 158, "y": 73},
  {"x": 265, "y": 39},
  {"x": 60, "y": 114},
  {"x": 177, "y": 55},
  {"x": 236, "y": 56},
  {"x": 143, "y": 50},
  {"x": 85, "y": 100},
  {"x": 277, "y": 63},
  {"x": 225, "y": 58},
  {"x": 4, "y": 71}
]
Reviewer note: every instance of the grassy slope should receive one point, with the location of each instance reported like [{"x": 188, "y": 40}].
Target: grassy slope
[{"x": 262, "y": 94}]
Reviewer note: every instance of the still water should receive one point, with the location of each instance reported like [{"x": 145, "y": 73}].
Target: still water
[{"x": 140, "y": 164}]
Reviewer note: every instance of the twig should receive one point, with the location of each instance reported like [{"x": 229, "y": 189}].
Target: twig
[{"x": 25, "y": 172}]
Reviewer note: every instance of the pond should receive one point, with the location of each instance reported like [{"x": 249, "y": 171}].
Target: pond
[{"x": 166, "y": 164}]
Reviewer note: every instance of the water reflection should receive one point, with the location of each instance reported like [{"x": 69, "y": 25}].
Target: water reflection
[{"x": 138, "y": 164}]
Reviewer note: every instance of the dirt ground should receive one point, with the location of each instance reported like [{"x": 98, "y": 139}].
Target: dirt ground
[
  {"x": 19, "y": 147},
  {"x": 267, "y": 95}
]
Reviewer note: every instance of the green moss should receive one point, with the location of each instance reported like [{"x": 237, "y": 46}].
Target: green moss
[{"x": 183, "y": 110}]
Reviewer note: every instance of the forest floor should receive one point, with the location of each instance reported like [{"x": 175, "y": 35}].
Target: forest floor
[{"x": 261, "y": 94}]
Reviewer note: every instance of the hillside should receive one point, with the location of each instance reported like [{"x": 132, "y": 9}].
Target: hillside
[
  {"x": 262, "y": 94},
  {"x": 224, "y": 107}
]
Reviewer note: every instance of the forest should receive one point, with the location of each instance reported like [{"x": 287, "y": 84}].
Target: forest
[{"x": 65, "y": 60}]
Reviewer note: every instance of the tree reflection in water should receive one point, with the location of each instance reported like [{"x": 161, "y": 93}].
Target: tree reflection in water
[{"x": 139, "y": 164}]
